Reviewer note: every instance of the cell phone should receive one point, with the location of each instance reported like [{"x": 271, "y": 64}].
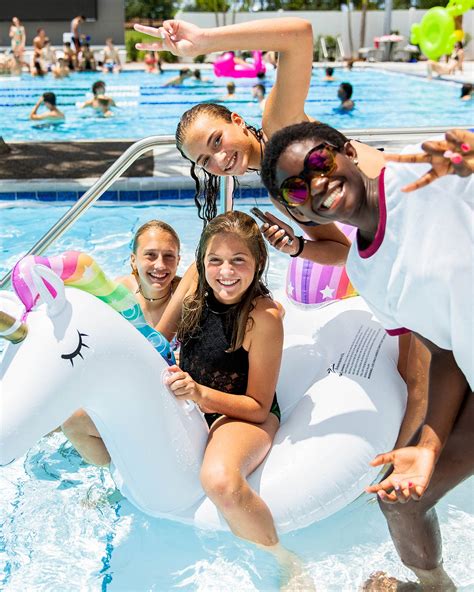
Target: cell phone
[{"x": 261, "y": 216}]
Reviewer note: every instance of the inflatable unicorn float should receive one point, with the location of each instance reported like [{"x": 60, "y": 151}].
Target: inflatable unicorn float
[{"x": 74, "y": 343}]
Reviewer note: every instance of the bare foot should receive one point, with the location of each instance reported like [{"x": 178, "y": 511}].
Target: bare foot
[
  {"x": 294, "y": 576},
  {"x": 379, "y": 581}
]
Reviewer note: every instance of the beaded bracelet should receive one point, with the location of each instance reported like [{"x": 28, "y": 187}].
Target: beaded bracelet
[{"x": 301, "y": 243}]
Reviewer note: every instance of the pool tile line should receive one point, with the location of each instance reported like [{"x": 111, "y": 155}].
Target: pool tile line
[{"x": 126, "y": 196}]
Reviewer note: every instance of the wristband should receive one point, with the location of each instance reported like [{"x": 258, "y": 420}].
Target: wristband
[{"x": 301, "y": 243}]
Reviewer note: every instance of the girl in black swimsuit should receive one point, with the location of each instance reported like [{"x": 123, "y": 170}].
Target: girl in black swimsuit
[{"x": 231, "y": 333}]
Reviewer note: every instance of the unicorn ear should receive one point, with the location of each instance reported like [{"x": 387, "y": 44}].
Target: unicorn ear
[{"x": 50, "y": 288}]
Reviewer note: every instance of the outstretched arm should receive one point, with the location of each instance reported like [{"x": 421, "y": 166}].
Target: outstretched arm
[
  {"x": 413, "y": 466},
  {"x": 292, "y": 38},
  {"x": 452, "y": 156}
]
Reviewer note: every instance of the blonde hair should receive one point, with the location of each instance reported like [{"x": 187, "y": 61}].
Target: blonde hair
[
  {"x": 155, "y": 225},
  {"x": 245, "y": 227}
]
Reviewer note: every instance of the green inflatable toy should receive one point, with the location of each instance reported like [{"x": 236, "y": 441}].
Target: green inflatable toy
[{"x": 436, "y": 33}]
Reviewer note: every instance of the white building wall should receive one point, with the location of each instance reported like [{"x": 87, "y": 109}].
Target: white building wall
[{"x": 336, "y": 23}]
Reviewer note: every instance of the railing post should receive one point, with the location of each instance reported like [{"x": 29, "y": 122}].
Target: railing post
[
  {"x": 226, "y": 190},
  {"x": 92, "y": 195}
]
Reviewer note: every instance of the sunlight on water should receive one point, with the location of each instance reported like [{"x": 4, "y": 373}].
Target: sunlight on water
[{"x": 382, "y": 99}]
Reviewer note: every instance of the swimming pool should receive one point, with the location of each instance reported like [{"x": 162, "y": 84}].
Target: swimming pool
[
  {"x": 64, "y": 529},
  {"x": 383, "y": 100}
]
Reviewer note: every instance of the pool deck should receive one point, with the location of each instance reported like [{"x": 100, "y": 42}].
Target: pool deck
[{"x": 75, "y": 166}]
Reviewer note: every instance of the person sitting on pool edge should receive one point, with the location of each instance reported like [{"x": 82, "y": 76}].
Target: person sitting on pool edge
[
  {"x": 154, "y": 261},
  {"x": 48, "y": 99},
  {"x": 344, "y": 94},
  {"x": 217, "y": 141},
  {"x": 314, "y": 170},
  {"x": 100, "y": 101}
]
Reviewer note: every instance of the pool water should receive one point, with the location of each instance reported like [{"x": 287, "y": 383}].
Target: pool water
[
  {"x": 383, "y": 100},
  {"x": 65, "y": 528}
]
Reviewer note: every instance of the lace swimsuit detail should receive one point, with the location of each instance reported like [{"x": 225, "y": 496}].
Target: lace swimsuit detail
[{"x": 204, "y": 355}]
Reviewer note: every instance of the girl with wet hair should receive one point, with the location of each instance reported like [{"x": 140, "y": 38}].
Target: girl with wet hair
[
  {"x": 207, "y": 184},
  {"x": 219, "y": 142}
]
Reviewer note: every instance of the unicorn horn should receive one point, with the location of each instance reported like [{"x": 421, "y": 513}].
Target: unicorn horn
[{"x": 12, "y": 329}]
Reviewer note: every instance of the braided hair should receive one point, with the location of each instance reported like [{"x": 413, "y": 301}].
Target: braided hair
[{"x": 207, "y": 185}]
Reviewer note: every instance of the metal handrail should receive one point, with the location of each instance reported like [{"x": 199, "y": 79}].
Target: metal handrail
[{"x": 91, "y": 195}]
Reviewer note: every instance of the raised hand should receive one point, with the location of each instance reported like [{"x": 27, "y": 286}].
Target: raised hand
[
  {"x": 412, "y": 470},
  {"x": 180, "y": 38},
  {"x": 452, "y": 156}
]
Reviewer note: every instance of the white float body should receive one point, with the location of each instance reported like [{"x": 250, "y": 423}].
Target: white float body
[{"x": 341, "y": 396}]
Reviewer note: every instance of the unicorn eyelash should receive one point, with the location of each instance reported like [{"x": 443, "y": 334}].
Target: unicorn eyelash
[{"x": 77, "y": 351}]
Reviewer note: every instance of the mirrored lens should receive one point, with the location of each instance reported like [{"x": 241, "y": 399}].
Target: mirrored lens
[
  {"x": 321, "y": 161},
  {"x": 294, "y": 191}
]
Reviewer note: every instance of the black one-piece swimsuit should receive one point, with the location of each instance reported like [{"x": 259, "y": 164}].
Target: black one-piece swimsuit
[{"x": 204, "y": 355}]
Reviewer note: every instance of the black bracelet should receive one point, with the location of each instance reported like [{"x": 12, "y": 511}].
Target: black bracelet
[{"x": 301, "y": 243}]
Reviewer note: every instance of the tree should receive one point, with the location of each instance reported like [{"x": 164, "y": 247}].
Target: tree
[{"x": 149, "y": 9}]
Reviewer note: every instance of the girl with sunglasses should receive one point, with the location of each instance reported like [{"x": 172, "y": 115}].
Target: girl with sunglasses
[
  {"x": 412, "y": 262},
  {"x": 218, "y": 142}
]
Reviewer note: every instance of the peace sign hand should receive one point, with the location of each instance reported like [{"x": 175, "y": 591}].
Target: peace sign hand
[
  {"x": 452, "y": 156},
  {"x": 180, "y": 38}
]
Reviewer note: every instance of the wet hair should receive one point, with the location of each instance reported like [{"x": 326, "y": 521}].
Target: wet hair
[
  {"x": 346, "y": 87},
  {"x": 97, "y": 85},
  {"x": 230, "y": 87},
  {"x": 197, "y": 74},
  {"x": 154, "y": 225},
  {"x": 466, "y": 90},
  {"x": 245, "y": 227},
  {"x": 207, "y": 188},
  {"x": 329, "y": 71},
  {"x": 283, "y": 138},
  {"x": 458, "y": 45},
  {"x": 260, "y": 87},
  {"x": 261, "y": 75},
  {"x": 50, "y": 97}
]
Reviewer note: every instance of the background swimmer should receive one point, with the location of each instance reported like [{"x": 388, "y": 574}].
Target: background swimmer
[
  {"x": 48, "y": 99},
  {"x": 100, "y": 101}
]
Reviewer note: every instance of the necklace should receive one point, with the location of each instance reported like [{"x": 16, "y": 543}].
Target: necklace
[{"x": 139, "y": 291}]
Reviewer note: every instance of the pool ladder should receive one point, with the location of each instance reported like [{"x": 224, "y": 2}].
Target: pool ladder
[{"x": 102, "y": 184}]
